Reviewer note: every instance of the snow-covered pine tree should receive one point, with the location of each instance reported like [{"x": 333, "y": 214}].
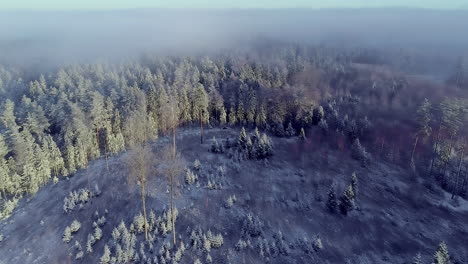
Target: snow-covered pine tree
[
  {"x": 347, "y": 200},
  {"x": 331, "y": 199},
  {"x": 442, "y": 256},
  {"x": 290, "y": 131}
]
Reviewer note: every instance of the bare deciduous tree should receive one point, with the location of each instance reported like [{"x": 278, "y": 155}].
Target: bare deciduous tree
[
  {"x": 140, "y": 163},
  {"x": 171, "y": 165}
]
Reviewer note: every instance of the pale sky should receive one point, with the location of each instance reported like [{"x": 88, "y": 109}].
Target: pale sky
[{"x": 119, "y": 4}]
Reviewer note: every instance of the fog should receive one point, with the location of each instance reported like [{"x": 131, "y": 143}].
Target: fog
[{"x": 57, "y": 37}]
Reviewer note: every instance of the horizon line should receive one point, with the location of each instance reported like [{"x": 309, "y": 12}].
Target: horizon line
[{"x": 461, "y": 8}]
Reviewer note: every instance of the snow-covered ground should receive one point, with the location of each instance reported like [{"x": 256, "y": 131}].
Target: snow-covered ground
[{"x": 278, "y": 214}]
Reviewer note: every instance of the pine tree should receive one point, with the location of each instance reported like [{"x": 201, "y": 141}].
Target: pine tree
[
  {"x": 242, "y": 140},
  {"x": 200, "y": 108},
  {"x": 241, "y": 113},
  {"x": 359, "y": 153},
  {"x": 354, "y": 183},
  {"x": 423, "y": 119},
  {"x": 318, "y": 114},
  {"x": 323, "y": 126},
  {"x": 256, "y": 135},
  {"x": 261, "y": 119},
  {"x": 106, "y": 256},
  {"x": 264, "y": 148},
  {"x": 70, "y": 158},
  {"x": 184, "y": 106},
  {"x": 232, "y": 117},
  {"x": 56, "y": 161},
  {"x": 441, "y": 256},
  {"x": 5, "y": 181},
  {"x": 249, "y": 148},
  {"x": 222, "y": 116},
  {"x": 215, "y": 147},
  {"x": 331, "y": 200},
  {"x": 290, "y": 131},
  {"x": 347, "y": 200}
]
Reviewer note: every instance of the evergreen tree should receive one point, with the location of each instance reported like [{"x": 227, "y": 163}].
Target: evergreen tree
[
  {"x": 106, "y": 256},
  {"x": 256, "y": 135},
  {"x": 249, "y": 148},
  {"x": 359, "y": 153},
  {"x": 241, "y": 113},
  {"x": 331, "y": 200},
  {"x": 264, "y": 148},
  {"x": 5, "y": 181},
  {"x": 347, "y": 200},
  {"x": 184, "y": 107},
  {"x": 200, "y": 108},
  {"x": 242, "y": 140},
  {"x": 423, "y": 119},
  {"x": 354, "y": 183},
  {"x": 323, "y": 126},
  {"x": 441, "y": 256},
  {"x": 57, "y": 164},
  {"x": 222, "y": 116},
  {"x": 261, "y": 119},
  {"x": 232, "y": 117},
  {"x": 317, "y": 115},
  {"x": 290, "y": 131}
]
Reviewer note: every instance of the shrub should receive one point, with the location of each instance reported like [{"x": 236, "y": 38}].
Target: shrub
[{"x": 197, "y": 261}]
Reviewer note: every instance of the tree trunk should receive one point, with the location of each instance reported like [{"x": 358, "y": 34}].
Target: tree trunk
[
  {"x": 448, "y": 154},
  {"x": 414, "y": 148},
  {"x": 455, "y": 188},
  {"x": 172, "y": 188},
  {"x": 201, "y": 127},
  {"x": 144, "y": 209},
  {"x": 106, "y": 148},
  {"x": 434, "y": 151},
  {"x": 172, "y": 209}
]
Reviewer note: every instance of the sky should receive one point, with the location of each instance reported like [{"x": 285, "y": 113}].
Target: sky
[{"x": 123, "y": 4}]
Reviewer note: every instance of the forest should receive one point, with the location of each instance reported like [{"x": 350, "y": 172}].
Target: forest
[{"x": 276, "y": 153}]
